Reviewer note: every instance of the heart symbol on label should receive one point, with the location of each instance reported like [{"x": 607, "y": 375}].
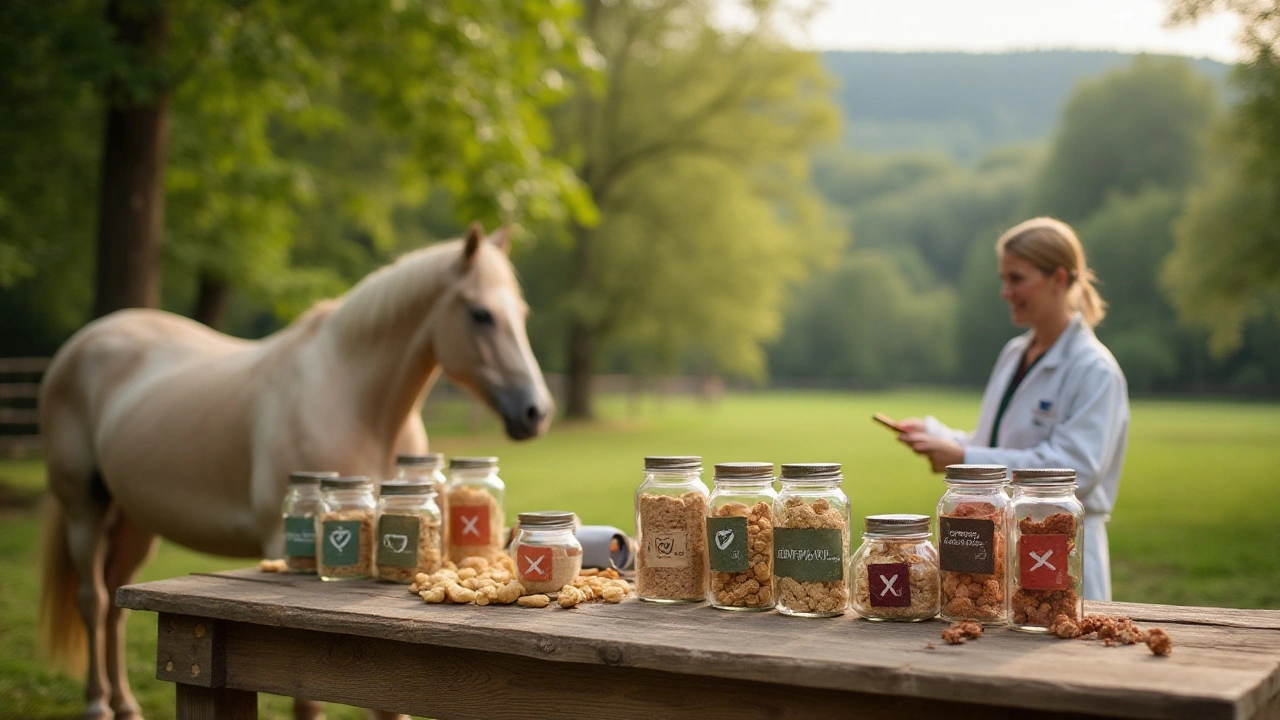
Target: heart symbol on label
[
  {"x": 723, "y": 538},
  {"x": 339, "y": 538},
  {"x": 666, "y": 545},
  {"x": 396, "y": 543}
]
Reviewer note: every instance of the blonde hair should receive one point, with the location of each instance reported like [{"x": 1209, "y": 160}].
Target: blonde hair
[{"x": 1050, "y": 244}]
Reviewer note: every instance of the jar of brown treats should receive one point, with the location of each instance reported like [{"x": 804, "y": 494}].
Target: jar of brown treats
[
  {"x": 344, "y": 528},
  {"x": 973, "y": 522},
  {"x": 895, "y": 571},
  {"x": 475, "y": 507},
  {"x": 301, "y": 502},
  {"x": 671, "y": 530},
  {"x": 408, "y": 540},
  {"x": 1048, "y": 533},
  {"x": 810, "y": 541},
  {"x": 740, "y": 536},
  {"x": 547, "y": 553},
  {"x": 427, "y": 468}
]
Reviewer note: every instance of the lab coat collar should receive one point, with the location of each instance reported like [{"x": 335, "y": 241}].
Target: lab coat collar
[{"x": 1063, "y": 345}]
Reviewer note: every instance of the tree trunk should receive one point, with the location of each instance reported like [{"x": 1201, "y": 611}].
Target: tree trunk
[
  {"x": 211, "y": 300},
  {"x": 131, "y": 212},
  {"x": 581, "y": 367}
]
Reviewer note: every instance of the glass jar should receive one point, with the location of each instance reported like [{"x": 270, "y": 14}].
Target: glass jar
[
  {"x": 475, "y": 506},
  {"x": 740, "y": 536},
  {"x": 810, "y": 541},
  {"x": 547, "y": 553},
  {"x": 344, "y": 528},
  {"x": 671, "y": 530},
  {"x": 895, "y": 570},
  {"x": 301, "y": 502},
  {"x": 973, "y": 532},
  {"x": 1048, "y": 533},
  {"x": 427, "y": 468},
  {"x": 408, "y": 539}
]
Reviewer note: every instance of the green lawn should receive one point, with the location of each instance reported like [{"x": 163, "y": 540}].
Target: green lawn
[{"x": 1195, "y": 522}]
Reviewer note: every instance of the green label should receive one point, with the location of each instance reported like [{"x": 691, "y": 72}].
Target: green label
[
  {"x": 398, "y": 541},
  {"x": 341, "y": 546},
  {"x": 300, "y": 537},
  {"x": 727, "y": 541},
  {"x": 808, "y": 554}
]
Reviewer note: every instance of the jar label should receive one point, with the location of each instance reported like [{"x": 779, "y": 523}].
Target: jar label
[
  {"x": 300, "y": 537},
  {"x": 808, "y": 554},
  {"x": 890, "y": 584},
  {"x": 533, "y": 562},
  {"x": 398, "y": 541},
  {"x": 666, "y": 548},
  {"x": 341, "y": 546},
  {"x": 727, "y": 542},
  {"x": 469, "y": 524},
  {"x": 966, "y": 545},
  {"x": 1042, "y": 561}
]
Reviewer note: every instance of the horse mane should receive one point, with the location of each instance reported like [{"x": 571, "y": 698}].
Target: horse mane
[{"x": 388, "y": 296}]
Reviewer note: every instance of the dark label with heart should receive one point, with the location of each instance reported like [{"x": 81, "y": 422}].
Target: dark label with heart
[
  {"x": 808, "y": 554},
  {"x": 398, "y": 541},
  {"x": 727, "y": 543},
  {"x": 300, "y": 537},
  {"x": 966, "y": 545},
  {"x": 666, "y": 548},
  {"x": 341, "y": 543},
  {"x": 1042, "y": 562},
  {"x": 890, "y": 584}
]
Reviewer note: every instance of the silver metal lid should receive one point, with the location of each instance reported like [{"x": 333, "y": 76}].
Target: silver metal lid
[
  {"x": 350, "y": 482},
  {"x": 307, "y": 477},
  {"x": 473, "y": 463},
  {"x": 434, "y": 460},
  {"x": 793, "y": 472},
  {"x": 547, "y": 519},
  {"x": 673, "y": 462},
  {"x": 754, "y": 471},
  {"x": 976, "y": 474},
  {"x": 407, "y": 488},
  {"x": 1044, "y": 476},
  {"x": 897, "y": 524}
]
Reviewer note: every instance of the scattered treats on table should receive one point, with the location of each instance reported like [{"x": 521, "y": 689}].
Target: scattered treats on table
[
  {"x": 273, "y": 566},
  {"x": 484, "y": 581},
  {"x": 1112, "y": 630},
  {"x": 958, "y": 631}
]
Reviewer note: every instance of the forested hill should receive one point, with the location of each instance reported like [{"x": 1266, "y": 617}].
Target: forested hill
[{"x": 962, "y": 103}]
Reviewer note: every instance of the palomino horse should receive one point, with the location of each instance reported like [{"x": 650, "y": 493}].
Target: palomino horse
[{"x": 155, "y": 425}]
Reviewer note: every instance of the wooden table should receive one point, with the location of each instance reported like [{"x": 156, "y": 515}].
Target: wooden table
[{"x": 226, "y": 636}]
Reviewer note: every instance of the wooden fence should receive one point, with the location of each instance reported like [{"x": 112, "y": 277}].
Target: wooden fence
[{"x": 19, "y": 389}]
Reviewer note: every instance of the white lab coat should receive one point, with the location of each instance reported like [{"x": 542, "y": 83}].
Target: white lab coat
[{"x": 1070, "y": 411}]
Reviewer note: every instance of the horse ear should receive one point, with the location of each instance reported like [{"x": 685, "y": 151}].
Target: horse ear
[
  {"x": 501, "y": 238},
  {"x": 475, "y": 233}
]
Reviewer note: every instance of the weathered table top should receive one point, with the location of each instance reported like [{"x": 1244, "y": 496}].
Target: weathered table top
[{"x": 1225, "y": 663}]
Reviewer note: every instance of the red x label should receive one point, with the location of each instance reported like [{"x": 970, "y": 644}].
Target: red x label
[
  {"x": 534, "y": 562},
  {"x": 1043, "y": 562},
  {"x": 469, "y": 525}
]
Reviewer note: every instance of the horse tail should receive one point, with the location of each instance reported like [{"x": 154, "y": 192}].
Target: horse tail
[{"x": 62, "y": 639}]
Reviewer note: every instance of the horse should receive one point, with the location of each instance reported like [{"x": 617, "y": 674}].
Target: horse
[{"x": 157, "y": 426}]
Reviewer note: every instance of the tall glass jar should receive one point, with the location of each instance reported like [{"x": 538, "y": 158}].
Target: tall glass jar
[
  {"x": 740, "y": 536},
  {"x": 408, "y": 539},
  {"x": 895, "y": 570},
  {"x": 475, "y": 505},
  {"x": 810, "y": 541},
  {"x": 973, "y": 532},
  {"x": 547, "y": 553},
  {"x": 427, "y": 468},
  {"x": 301, "y": 502},
  {"x": 671, "y": 530},
  {"x": 1048, "y": 533},
  {"x": 344, "y": 528}
]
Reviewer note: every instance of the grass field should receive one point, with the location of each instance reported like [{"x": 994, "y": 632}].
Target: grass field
[{"x": 1195, "y": 523}]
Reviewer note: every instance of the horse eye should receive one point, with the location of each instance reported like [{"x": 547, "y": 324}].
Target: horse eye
[{"x": 481, "y": 316}]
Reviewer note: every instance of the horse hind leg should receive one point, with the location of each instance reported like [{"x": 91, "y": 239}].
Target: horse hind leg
[
  {"x": 87, "y": 524},
  {"x": 130, "y": 546}
]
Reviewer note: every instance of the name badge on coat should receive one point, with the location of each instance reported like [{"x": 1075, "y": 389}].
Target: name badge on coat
[{"x": 1045, "y": 414}]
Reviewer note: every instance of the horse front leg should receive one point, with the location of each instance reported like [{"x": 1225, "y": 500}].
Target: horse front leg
[{"x": 129, "y": 548}]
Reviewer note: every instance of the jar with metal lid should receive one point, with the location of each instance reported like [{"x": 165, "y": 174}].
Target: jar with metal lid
[
  {"x": 344, "y": 528},
  {"x": 427, "y": 468},
  {"x": 810, "y": 541},
  {"x": 895, "y": 570},
  {"x": 740, "y": 536},
  {"x": 547, "y": 552},
  {"x": 475, "y": 506},
  {"x": 973, "y": 532},
  {"x": 301, "y": 502},
  {"x": 408, "y": 539},
  {"x": 1047, "y": 532},
  {"x": 671, "y": 530}
]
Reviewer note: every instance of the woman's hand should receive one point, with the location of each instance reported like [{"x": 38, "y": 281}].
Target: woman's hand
[
  {"x": 940, "y": 452},
  {"x": 911, "y": 425}
]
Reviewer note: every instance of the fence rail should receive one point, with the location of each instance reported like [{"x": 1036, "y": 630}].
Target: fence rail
[{"x": 19, "y": 388}]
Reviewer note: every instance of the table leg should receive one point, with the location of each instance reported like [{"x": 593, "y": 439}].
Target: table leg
[{"x": 201, "y": 703}]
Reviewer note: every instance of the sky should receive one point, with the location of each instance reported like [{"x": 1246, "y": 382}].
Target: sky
[{"x": 986, "y": 26}]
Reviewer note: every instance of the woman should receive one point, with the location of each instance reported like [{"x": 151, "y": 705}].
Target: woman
[{"x": 1056, "y": 397}]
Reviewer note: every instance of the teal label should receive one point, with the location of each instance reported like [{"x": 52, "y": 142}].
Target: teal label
[
  {"x": 808, "y": 554},
  {"x": 727, "y": 543},
  {"x": 398, "y": 541},
  {"x": 341, "y": 546},
  {"x": 300, "y": 537}
]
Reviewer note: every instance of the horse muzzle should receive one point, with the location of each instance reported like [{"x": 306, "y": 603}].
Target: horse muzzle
[{"x": 526, "y": 414}]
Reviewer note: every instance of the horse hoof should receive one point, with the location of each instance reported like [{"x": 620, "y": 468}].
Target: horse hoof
[
  {"x": 129, "y": 712},
  {"x": 98, "y": 710}
]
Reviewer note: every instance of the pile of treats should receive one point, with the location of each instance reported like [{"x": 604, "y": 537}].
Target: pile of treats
[
  {"x": 1112, "y": 630},
  {"x": 480, "y": 581}
]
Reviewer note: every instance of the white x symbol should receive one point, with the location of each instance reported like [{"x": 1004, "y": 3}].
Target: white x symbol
[
  {"x": 1041, "y": 560},
  {"x": 469, "y": 525},
  {"x": 534, "y": 565},
  {"x": 888, "y": 585}
]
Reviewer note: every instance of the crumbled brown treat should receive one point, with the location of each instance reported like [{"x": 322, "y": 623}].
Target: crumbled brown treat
[
  {"x": 972, "y": 596},
  {"x": 752, "y": 588},
  {"x": 1065, "y": 627},
  {"x": 958, "y": 631},
  {"x": 274, "y": 566},
  {"x": 1159, "y": 641},
  {"x": 1055, "y": 524},
  {"x": 813, "y": 597},
  {"x": 1113, "y": 630},
  {"x": 672, "y": 560}
]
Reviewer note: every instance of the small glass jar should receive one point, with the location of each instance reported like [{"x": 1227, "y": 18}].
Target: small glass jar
[
  {"x": 671, "y": 530},
  {"x": 895, "y": 571},
  {"x": 408, "y": 539},
  {"x": 811, "y": 540},
  {"x": 344, "y": 528},
  {"x": 740, "y": 536},
  {"x": 427, "y": 468},
  {"x": 973, "y": 532},
  {"x": 475, "y": 505},
  {"x": 301, "y": 502},
  {"x": 547, "y": 553},
  {"x": 1048, "y": 533}
]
